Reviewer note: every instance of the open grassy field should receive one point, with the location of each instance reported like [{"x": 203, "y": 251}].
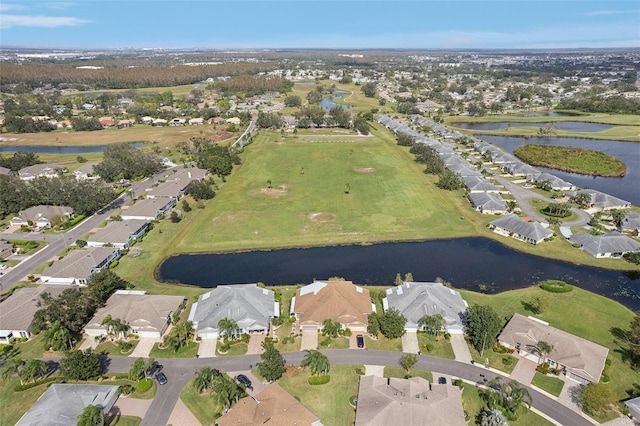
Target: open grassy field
[
  {"x": 579, "y": 312},
  {"x": 389, "y": 198},
  {"x": 575, "y": 160}
]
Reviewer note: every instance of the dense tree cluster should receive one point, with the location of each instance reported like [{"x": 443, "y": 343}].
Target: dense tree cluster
[
  {"x": 84, "y": 196},
  {"x": 122, "y": 161},
  {"x": 218, "y": 159},
  {"x": 19, "y": 160},
  {"x": 405, "y": 139},
  {"x": 17, "y": 124},
  {"x": 428, "y": 156},
  {"x": 200, "y": 190},
  {"x": 269, "y": 120},
  {"x": 293, "y": 101},
  {"x": 86, "y": 124},
  {"x": 391, "y": 323},
  {"x": 369, "y": 90},
  {"x": 610, "y": 105},
  {"x": 80, "y": 365},
  {"x": 254, "y": 84},
  {"x": 482, "y": 326},
  {"x": 360, "y": 125}
]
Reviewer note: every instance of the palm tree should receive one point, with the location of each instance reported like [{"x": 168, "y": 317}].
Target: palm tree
[
  {"x": 32, "y": 369},
  {"x": 432, "y": 323},
  {"x": 511, "y": 396},
  {"x": 226, "y": 391},
  {"x": 11, "y": 367},
  {"x": 57, "y": 337},
  {"x": 184, "y": 331},
  {"x": 109, "y": 322},
  {"x": 228, "y": 327},
  {"x": 91, "y": 416},
  {"x": 545, "y": 349},
  {"x": 493, "y": 418},
  {"x": 317, "y": 362},
  {"x": 204, "y": 379},
  {"x": 330, "y": 328},
  {"x": 138, "y": 369}
]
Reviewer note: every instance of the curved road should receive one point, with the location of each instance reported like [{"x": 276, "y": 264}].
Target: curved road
[{"x": 180, "y": 371}]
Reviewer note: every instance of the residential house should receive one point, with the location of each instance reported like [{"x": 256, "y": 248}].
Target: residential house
[
  {"x": 250, "y": 306},
  {"x": 271, "y": 406},
  {"x": 408, "y": 402},
  {"x": 78, "y": 265},
  {"x": 601, "y": 201},
  {"x": 339, "y": 301},
  {"x": 633, "y": 405},
  {"x": 17, "y": 310},
  {"x": 148, "y": 209},
  {"x": 43, "y": 216},
  {"x": 196, "y": 121},
  {"x": 124, "y": 124},
  {"x": 512, "y": 225},
  {"x": 555, "y": 182},
  {"x": 476, "y": 184},
  {"x": 85, "y": 172},
  {"x": 159, "y": 122},
  {"x": 578, "y": 358},
  {"x": 177, "y": 122},
  {"x": 41, "y": 170},
  {"x": 61, "y": 404},
  {"x": 5, "y": 171},
  {"x": 6, "y": 249},
  {"x": 612, "y": 244},
  {"x": 233, "y": 120},
  {"x": 147, "y": 120},
  {"x": 488, "y": 203},
  {"x": 148, "y": 315},
  {"x": 120, "y": 234},
  {"x": 631, "y": 223},
  {"x": 106, "y": 122},
  {"x": 175, "y": 185},
  {"x": 415, "y": 300}
]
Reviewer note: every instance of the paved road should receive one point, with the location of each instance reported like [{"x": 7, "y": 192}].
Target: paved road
[
  {"x": 180, "y": 371},
  {"x": 57, "y": 243}
]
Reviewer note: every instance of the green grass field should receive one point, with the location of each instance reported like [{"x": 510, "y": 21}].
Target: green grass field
[
  {"x": 553, "y": 385},
  {"x": 575, "y": 160}
]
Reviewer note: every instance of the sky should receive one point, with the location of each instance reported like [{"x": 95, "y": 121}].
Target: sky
[{"x": 344, "y": 24}]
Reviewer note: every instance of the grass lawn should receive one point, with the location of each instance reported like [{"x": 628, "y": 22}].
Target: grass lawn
[
  {"x": 553, "y": 385},
  {"x": 113, "y": 349},
  {"x": 382, "y": 343},
  {"x": 187, "y": 351},
  {"x": 399, "y": 372},
  {"x": 125, "y": 421},
  {"x": 330, "y": 402},
  {"x": 340, "y": 342},
  {"x": 235, "y": 349},
  {"x": 502, "y": 362},
  {"x": 578, "y": 312},
  {"x": 540, "y": 205},
  {"x": 285, "y": 331},
  {"x": 571, "y": 159},
  {"x": 13, "y": 405},
  {"x": 440, "y": 348},
  {"x": 473, "y": 404},
  {"x": 203, "y": 406},
  {"x": 115, "y": 381},
  {"x": 34, "y": 348}
]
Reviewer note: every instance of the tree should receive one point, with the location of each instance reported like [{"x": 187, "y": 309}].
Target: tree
[
  {"x": 597, "y": 398},
  {"x": 631, "y": 339},
  {"x": 205, "y": 379},
  {"x": 617, "y": 216},
  {"x": 228, "y": 327},
  {"x": 369, "y": 89},
  {"x": 407, "y": 361},
  {"x": 175, "y": 217},
  {"x": 11, "y": 367},
  {"x": 185, "y": 206},
  {"x": 226, "y": 391},
  {"x": 57, "y": 337},
  {"x": 79, "y": 365},
  {"x": 405, "y": 139},
  {"x": 338, "y": 117},
  {"x": 116, "y": 327},
  {"x": 450, "y": 181},
  {"x": 392, "y": 323},
  {"x": 317, "y": 362},
  {"x": 32, "y": 370},
  {"x": 330, "y": 328},
  {"x": 200, "y": 190},
  {"x": 373, "y": 326},
  {"x": 292, "y": 101},
  {"x": 482, "y": 326},
  {"x": 408, "y": 277},
  {"x": 272, "y": 366},
  {"x": 493, "y": 418},
  {"x": 432, "y": 323},
  {"x": 138, "y": 369},
  {"x": 360, "y": 125},
  {"x": 91, "y": 416},
  {"x": 398, "y": 281},
  {"x": 545, "y": 349},
  {"x": 511, "y": 397}
]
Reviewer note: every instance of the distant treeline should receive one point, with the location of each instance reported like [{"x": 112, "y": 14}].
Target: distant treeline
[
  {"x": 123, "y": 78},
  {"x": 611, "y": 105},
  {"x": 254, "y": 84}
]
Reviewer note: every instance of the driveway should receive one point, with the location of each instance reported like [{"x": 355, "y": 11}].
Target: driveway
[
  {"x": 255, "y": 344},
  {"x": 131, "y": 407},
  {"x": 410, "y": 342},
  {"x": 143, "y": 348},
  {"x": 524, "y": 370},
  {"x": 182, "y": 416},
  {"x": 207, "y": 348},
  {"x": 309, "y": 340},
  {"x": 88, "y": 342},
  {"x": 460, "y": 348}
]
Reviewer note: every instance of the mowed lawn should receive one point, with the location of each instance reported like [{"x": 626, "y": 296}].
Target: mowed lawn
[{"x": 389, "y": 197}]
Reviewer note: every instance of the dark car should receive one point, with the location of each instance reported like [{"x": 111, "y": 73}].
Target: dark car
[
  {"x": 244, "y": 380},
  {"x": 360, "y": 340},
  {"x": 161, "y": 378},
  {"x": 442, "y": 380}
]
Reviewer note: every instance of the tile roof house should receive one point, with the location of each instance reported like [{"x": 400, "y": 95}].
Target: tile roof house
[
  {"x": 41, "y": 170},
  {"x": 512, "y": 226},
  {"x": 488, "y": 203},
  {"x": 17, "y": 310},
  {"x": 43, "y": 216},
  {"x": 148, "y": 315},
  {"x": 119, "y": 233},
  {"x": 582, "y": 360},
  {"x": 78, "y": 265},
  {"x": 61, "y": 404},
  {"x": 415, "y": 300},
  {"x": 148, "y": 208},
  {"x": 250, "y": 306},
  {"x": 272, "y": 406},
  {"x": 407, "y": 402},
  {"x": 612, "y": 244},
  {"x": 339, "y": 301}
]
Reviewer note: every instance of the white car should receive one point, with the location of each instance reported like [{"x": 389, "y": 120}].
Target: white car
[{"x": 3, "y": 267}]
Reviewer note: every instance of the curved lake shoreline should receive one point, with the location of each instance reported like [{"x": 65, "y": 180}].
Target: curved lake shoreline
[{"x": 475, "y": 263}]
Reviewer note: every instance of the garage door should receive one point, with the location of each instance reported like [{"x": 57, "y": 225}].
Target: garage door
[{"x": 309, "y": 328}]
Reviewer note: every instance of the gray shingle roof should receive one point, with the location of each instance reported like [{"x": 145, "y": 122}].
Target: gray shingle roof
[
  {"x": 117, "y": 232},
  {"x": 147, "y": 208},
  {"x": 613, "y": 242},
  {"x": 488, "y": 201},
  {"x": 603, "y": 200},
  {"x": 17, "y": 310},
  {"x": 78, "y": 263},
  {"x": 530, "y": 230}
]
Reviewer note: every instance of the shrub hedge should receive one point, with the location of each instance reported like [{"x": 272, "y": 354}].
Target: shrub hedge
[
  {"x": 556, "y": 286},
  {"x": 319, "y": 380}
]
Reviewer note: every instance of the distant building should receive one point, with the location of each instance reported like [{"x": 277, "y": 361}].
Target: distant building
[
  {"x": 513, "y": 226},
  {"x": 42, "y": 216}
]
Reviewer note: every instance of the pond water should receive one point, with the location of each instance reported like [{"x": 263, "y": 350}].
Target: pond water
[
  {"x": 61, "y": 149},
  {"x": 570, "y": 126},
  {"x": 478, "y": 264},
  {"x": 627, "y": 187},
  {"x": 327, "y": 103}
]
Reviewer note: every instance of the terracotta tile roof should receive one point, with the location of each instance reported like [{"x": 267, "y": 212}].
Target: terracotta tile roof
[{"x": 340, "y": 301}]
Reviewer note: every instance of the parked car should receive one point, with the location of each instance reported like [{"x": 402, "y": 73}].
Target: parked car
[
  {"x": 244, "y": 380},
  {"x": 360, "y": 340},
  {"x": 442, "y": 380},
  {"x": 2, "y": 267},
  {"x": 161, "y": 378}
]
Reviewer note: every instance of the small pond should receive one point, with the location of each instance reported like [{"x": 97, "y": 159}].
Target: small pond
[
  {"x": 327, "y": 103},
  {"x": 478, "y": 264},
  {"x": 53, "y": 149},
  {"x": 569, "y": 126}
]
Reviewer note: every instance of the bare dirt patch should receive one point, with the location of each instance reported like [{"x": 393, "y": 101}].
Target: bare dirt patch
[
  {"x": 364, "y": 169},
  {"x": 322, "y": 217},
  {"x": 221, "y": 135},
  {"x": 281, "y": 191}
]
